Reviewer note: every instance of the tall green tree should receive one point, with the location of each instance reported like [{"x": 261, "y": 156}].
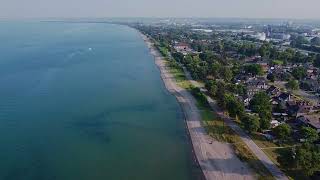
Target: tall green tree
[
  {"x": 264, "y": 50},
  {"x": 212, "y": 87},
  {"x": 316, "y": 61},
  {"x": 220, "y": 94},
  {"x": 309, "y": 134},
  {"x": 234, "y": 106},
  {"x": 226, "y": 74},
  {"x": 305, "y": 158},
  {"x": 315, "y": 41},
  {"x": 287, "y": 158},
  {"x": 215, "y": 69},
  {"x": 260, "y": 103},
  {"x": 254, "y": 69},
  {"x": 283, "y": 132},
  {"x": 271, "y": 77},
  {"x": 265, "y": 119},
  {"x": 250, "y": 122},
  {"x": 298, "y": 41},
  {"x": 299, "y": 73},
  {"x": 178, "y": 56},
  {"x": 293, "y": 84},
  {"x": 308, "y": 159}
]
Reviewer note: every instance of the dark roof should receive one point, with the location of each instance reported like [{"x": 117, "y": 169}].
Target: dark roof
[
  {"x": 311, "y": 119},
  {"x": 256, "y": 82},
  {"x": 284, "y": 96},
  {"x": 291, "y": 103},
  {"x": 271, "y": 89}
]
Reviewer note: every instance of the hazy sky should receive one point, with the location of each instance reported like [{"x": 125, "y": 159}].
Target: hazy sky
[{"x": 160, "y": 8}]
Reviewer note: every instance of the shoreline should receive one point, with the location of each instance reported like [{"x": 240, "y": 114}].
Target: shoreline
[{"x": 217, "y": 160}]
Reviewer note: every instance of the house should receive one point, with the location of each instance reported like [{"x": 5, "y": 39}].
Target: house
[
  {"x": 280, "y": 116},
  {"x": 273, "y": 91},
  {"x": 280, "y": 73},
  {"x": 293, "y": 108},
  {"x": 274, "y": 101},
  {"x": 241, "y": 78},
  {"x": 274, "y": 123},
  {"x": 284, "y": 97},
  {"x": 244, "y": 99},
  {"x": 233, "y": 54},
  {"x": 312, "y": 73},
  {"x": 311, "y": 120},
  {"x": 183, "y": 48},
  {"x": 253, "y": 59},
  {"x": 255, "y": 85}
]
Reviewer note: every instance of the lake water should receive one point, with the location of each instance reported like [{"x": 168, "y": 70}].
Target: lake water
[{"x": 84, "y": 101}]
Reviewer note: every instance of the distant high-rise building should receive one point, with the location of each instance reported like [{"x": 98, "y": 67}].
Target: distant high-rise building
[{"x": 268, "y": 31}]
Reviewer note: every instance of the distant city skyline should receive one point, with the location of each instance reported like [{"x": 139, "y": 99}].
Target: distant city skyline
[{"x": 288, "y": 9}]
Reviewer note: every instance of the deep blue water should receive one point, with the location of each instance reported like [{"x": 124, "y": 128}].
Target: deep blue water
[{"x": 84, "y": 101}]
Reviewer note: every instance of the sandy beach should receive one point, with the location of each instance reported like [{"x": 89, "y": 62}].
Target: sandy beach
[{"x": 217, "y": 160}]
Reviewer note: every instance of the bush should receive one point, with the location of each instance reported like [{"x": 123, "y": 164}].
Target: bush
[{"x": 293, "y": 85}]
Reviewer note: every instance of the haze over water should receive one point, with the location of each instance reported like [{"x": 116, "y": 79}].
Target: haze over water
[{"x": 85, "y": 101}]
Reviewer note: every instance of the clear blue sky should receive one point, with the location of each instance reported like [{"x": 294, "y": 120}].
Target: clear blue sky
[{"x": 160, "y": 8}]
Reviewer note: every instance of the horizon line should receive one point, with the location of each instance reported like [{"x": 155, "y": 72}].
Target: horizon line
[{"x": 155, "y": 17}]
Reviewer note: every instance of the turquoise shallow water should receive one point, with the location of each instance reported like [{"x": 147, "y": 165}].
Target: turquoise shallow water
[{"x": 84, "y": 101}]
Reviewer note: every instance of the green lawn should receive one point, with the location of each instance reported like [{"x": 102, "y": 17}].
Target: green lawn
[
  {"x": 277, "y": 62},
  {"x": 179, "y": 76}
]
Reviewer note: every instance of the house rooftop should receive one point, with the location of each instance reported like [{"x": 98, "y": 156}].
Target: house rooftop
[
  {"x": 284, "y": 96},
  {"x": 312, "y": 119}
]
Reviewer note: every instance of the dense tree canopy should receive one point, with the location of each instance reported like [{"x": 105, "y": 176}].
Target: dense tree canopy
[
  {"x": 254, "y": 69},
  {"x": 264, "y": 50},
  {"x": 297, "y": 41},
  {"x": 234, "y": 106},
  {"x": 283, "y": 132},
  {"x": 316, "y": 61},
  {"x": 293, "y": 84},
  {"x": 265, "y": 119},
  {"x": 287, "y": 158},
  {"x": 261, "y": 105},
  {"x": 305, "y": 158},
  {"x": 260, "y": 102},
  {"x": 248, "y": 49},
  {"x": 271, "y": 77},
  {"x": 299, "y": 73},
  {"x": 226, "y": 74},
  {"x": 315, "y": 41},
  {"x": 309, "y": 134},
  {"x": 308, "y": 159},
  {"x": 250, "y": 122}
]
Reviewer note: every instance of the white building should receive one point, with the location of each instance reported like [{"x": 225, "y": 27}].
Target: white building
[{"x": 260, "y": 36}]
